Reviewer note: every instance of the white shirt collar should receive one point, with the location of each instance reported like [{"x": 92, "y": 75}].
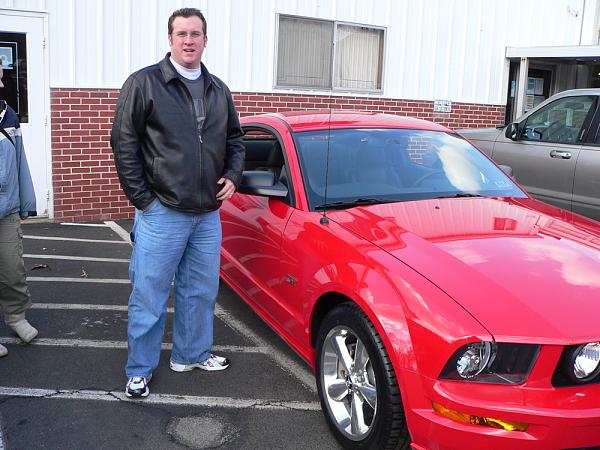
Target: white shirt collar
[{"x": 190, "y": 74}]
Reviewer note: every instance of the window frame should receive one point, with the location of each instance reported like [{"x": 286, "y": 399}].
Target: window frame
[
  {"x": 250, "y": 127},
  {"x": 336, "y": 24}
]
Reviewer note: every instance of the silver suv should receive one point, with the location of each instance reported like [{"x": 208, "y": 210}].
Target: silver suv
[{"x": 553, "y": 150}]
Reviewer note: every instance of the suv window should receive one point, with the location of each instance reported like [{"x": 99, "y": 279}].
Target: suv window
[{"x": 560, "y": 121}]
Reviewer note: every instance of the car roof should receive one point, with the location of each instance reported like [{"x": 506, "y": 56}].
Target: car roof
[
  {"x": 562, "y": 94},
  {"x": 572, "y": 92},
  {"x": 327, "y": 119}
]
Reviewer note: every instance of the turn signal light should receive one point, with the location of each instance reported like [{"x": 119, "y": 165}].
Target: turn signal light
[{"x": 507, "y": 425}]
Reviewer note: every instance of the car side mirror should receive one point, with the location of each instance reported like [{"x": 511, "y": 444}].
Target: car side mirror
[
  {"x": 512, "y": 131},
  {"x": 263, "y": 183},
  {"x": 508, "y": 170}
]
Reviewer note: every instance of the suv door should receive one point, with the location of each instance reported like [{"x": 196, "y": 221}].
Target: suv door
[
  {"x": 545, "y": 152},
  {"x": 586, "y": 187}
]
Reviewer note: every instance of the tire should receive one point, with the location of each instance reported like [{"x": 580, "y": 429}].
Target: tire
[{"x": 364, "y": 377}]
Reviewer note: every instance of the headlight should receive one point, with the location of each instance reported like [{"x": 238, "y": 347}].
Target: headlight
[
  {"x": 491, "y": 362},
  {"x": 586, "y": 362},
  {"x": 578, "y": 364},
  {"x": 475, "y": 359}
]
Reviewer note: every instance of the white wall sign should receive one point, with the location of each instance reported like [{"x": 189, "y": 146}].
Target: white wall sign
[{"x": 443, "y": 106}]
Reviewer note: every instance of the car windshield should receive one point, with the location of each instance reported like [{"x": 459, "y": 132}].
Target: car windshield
[{"x": 350, "y": 167}]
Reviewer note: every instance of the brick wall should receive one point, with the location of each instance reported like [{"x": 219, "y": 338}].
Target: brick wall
[
  {"x": 463, "y": 115},
  {"x": 84, "y": 179},
  {"x": 83, "y": 173}
]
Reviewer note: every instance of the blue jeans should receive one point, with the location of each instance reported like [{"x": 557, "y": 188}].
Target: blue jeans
[{"x": 169, "y": 244}]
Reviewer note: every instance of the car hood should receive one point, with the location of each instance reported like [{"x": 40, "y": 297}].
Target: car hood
[
  {"x": 522, "y": 273},
  {"x": 481, "y": 134}
]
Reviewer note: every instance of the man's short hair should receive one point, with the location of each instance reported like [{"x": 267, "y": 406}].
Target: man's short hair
[{"x": 187, "y": 12}]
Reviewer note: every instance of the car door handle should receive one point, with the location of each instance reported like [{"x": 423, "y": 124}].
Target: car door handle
[{"x": 560, "y": 154}]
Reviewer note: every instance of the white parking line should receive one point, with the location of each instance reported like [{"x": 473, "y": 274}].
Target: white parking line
[
  {"x": 80, "y": 280},
  {"x": 162, "y": 399},
  {"x": 301, "y": 372},
  {"x": 91, "y": 343},
  {"x": 94, "y": 307},
  {"x": 58, "y": 238},
  {"x": 119, "y": 230},
  {"x": 83, "y": 306},
  {"x": 76, "y": 258},
  {"x": 102, "y": 225}
]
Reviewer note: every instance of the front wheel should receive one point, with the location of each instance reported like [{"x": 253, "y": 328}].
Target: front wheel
[{"x": 357, "y": 385}]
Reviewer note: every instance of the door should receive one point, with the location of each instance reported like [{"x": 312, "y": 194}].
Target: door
[
  {"x": 586, "y": 187},
  {"x": 253, "y": 228},
  {"x": 22, "y": 39},
  {"x": 544, "y": 155}
]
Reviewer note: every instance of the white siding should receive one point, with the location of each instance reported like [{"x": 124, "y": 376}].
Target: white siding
[
  {"x": 435, "y": 49},
  {"x": 24, "y": 5}
]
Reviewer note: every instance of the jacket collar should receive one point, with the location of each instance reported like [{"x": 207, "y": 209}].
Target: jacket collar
[{"x": 170, "y": 73}]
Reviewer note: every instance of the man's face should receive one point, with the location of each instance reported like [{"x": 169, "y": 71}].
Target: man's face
[
  {"x": 187, "y": 41},
  {"x": 1, "y": 75}
]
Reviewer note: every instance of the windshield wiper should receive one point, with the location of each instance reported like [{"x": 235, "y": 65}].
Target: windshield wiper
[
  {"x": 460, "y": 194},
  {"x": 356, "y": 202}
]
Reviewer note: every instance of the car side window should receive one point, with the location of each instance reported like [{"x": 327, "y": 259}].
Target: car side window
[{"x": 560, "y": 121}]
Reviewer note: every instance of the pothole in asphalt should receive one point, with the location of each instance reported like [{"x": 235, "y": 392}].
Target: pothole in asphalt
[{"x": 201, "y": 432}]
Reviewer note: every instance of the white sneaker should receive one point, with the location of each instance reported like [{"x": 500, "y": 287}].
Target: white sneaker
[
  {"x": 213, "y": 362},
  {"x": 24, "y": 329},
  {"x": 138, "y": 386},
  {"x": 3, "y": 350}
]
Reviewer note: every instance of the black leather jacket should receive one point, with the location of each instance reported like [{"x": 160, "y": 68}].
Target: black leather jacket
[{"x": 158, "y": 149}]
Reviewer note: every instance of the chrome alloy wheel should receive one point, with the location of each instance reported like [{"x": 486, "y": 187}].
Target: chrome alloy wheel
[{"x": 349, "y": 383}]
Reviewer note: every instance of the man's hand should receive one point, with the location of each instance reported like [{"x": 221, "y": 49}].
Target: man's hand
[{"x": 227, "y": 190}]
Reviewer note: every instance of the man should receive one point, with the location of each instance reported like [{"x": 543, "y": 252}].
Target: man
[
  {"x": 178, "y": 150},
  {"x": 17, "y": 201}
]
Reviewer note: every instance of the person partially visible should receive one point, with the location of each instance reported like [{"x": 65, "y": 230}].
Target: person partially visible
[{"x": 17, "y": 202}]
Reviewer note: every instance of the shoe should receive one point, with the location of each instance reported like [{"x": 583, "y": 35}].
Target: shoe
[
  {"x": 24, "y": 329},
  {"x": 3, "y": 350},
  {"x": 213, "y": 362},
  {"x": 138, "y": 386}
]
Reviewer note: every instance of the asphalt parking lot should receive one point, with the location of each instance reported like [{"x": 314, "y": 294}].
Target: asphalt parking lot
[{"x": 65, "y": 390}]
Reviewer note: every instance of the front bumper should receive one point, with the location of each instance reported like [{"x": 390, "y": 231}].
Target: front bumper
[{"x": 558, "y": 418}]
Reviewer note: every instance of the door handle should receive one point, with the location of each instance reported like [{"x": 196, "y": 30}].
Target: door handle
[{"x": 560, "y": 154}]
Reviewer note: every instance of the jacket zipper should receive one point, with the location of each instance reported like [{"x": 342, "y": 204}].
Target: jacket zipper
[
  {"x": 198, "y": 134},
  {"x": 203, "y": 121},
  {"x": 205, "y": 111}
]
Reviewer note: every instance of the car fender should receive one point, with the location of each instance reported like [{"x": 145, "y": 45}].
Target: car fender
[{"x": 411, "y": 315}]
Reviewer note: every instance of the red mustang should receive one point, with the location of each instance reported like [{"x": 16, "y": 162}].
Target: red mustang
[{"x": 440, "y": 305}]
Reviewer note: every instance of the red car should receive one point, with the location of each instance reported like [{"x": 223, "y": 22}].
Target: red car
[{"x": 439, "y": 304}]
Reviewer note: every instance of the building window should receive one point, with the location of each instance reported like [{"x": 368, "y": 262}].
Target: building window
[
  {"x": 320, "y": 54},
  {"x": 13, "y": 57}
]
